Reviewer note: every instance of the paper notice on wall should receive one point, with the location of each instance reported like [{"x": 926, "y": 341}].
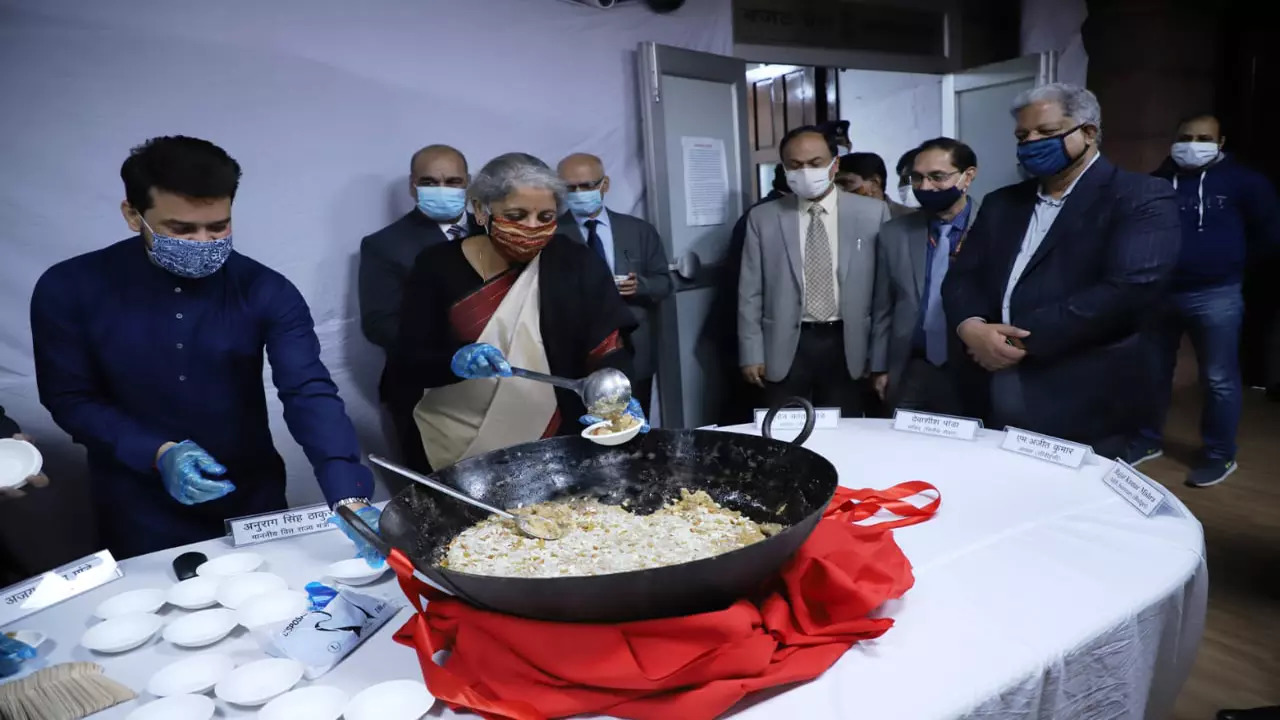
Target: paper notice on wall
[{"x": 706, "y": 181}]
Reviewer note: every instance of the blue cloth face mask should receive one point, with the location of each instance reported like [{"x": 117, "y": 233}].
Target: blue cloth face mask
[
  {"x": 936, "y": 201},
  {"x": 585, "y": 203},
  {"x": 1047, "y": 156},
  {"x": 441, "y": 203},
  {"x": 188, "y": 258}
]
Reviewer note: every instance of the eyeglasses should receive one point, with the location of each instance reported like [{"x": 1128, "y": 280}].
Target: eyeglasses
[
  {"x": 936, "y": 177},
  {"x": 585, "y": 186}
]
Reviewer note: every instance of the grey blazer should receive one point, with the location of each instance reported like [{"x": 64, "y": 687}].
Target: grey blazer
[
  {"x": 771, "y": 289},
  {"x": 900, "y": 273},
  {"x": 637, "y": 248}
]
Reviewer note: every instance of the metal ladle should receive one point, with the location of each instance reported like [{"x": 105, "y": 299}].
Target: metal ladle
[
  {"x": 605, "y": 392},
  {"x": 533, "y": 526}
]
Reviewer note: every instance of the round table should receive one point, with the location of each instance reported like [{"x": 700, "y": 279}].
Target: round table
[{"x": 1039, "y": 593}]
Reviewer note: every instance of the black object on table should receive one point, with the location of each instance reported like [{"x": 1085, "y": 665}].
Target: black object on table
[{"x": 184, "y": 566}]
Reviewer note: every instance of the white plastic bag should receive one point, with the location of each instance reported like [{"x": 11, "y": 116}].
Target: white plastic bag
[{"x": 320, "y": 639}]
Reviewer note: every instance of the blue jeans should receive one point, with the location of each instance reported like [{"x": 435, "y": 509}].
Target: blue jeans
[{"x": 1211, "y": 317}]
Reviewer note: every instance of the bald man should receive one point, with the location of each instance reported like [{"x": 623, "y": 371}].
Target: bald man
[
  {"x": 630, "y": 247},
  {"x": 438, "y": 182}
]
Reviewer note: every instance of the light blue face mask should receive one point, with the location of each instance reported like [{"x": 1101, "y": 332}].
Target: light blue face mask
[
  {"x": 188, "y": 258},
  {"x": 441, "y": 203},
  {"x": 585, "y": 203}
]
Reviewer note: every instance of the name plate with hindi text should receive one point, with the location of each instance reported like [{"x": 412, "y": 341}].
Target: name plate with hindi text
[
  {"x": 793, "y": 419},
  {"x": 947, "y": 426},
  {"x": 34, "y": 594},
  {"x": 1045, "y": 447},
  {"x": 254, "y": 529},
  {"x": 1137, "y": 489}
]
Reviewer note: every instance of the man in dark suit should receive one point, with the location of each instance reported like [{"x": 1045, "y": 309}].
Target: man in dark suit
[
  {"x": 630, "y": 247},
  {"x": 1056, "y": 289},
  {"x": 438, "y": 182}
]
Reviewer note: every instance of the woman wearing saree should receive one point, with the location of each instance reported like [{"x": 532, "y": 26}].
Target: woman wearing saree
[{"x": 518, "y": 294}]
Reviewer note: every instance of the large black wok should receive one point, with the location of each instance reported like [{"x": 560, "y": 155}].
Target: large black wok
[{"x": 767, "y": 480}]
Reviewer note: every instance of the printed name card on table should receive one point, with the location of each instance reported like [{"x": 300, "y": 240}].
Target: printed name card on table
[
  {"x": 1045, "y": 447},
  {"x": 1137, "y": 489},
  {"x": 793, "y": 419},
  {"x": 293, "y": 522},
  {"x": 948, "y": 426},
  {"x": 37, "y": 593}
]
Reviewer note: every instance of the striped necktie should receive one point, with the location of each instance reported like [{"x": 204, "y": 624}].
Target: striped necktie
[{"x": 455, "y": 232}]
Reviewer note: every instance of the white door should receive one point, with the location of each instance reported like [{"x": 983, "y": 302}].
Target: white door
[{"x": 975, "y": 110}]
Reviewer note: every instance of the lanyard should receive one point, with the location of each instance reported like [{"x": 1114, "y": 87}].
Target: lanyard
[{"x": 959, "y": 243}]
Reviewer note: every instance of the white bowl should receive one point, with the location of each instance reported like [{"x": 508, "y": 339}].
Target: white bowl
[
  {"x": 122, "y": 633},
  {"x": 232, "y": 564},
  {"x": 177, "y": 707},
  {"x": 191, "y": 675},
  {"x": 236, "y": 590},
  {"x": 131, "y": 603},
  {"x": 317, "y": 702},
  {"x": 276, "y": 606},
  {"x": 612, "y": 438},
  {"x": 202, "y": 628},
  {"x": 19, "y": 460},
  {"x": 354, "y": 572},
  {"x": 394, "y": 700},
  {"x": 195, "y": 593},
  {"x": 259, "y": 681}
]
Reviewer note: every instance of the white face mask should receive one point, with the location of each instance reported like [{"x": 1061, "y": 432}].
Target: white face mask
[
  {"x": 810, "y": 183},
  {"x": 908, "y": 197},
  {"x": 1191, "y": 155}
]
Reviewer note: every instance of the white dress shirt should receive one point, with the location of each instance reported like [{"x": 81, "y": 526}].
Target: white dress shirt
[
  {"x": 1042, "y": 217},
  {"x": 604, "y": 230},
  {"x": 830, "y": 203}
]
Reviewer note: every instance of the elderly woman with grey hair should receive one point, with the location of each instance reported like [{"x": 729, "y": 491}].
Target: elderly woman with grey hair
[{"x": 517, "y": 294}]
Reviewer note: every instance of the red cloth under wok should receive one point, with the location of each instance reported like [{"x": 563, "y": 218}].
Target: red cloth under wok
[{"x": 691, "y": 667}]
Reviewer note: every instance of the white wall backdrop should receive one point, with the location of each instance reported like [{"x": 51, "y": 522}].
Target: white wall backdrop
[
  {"x": 322, "y": 102},
  {"x": 1055, "y": 25},
  {"x": 890, "y": 112}
]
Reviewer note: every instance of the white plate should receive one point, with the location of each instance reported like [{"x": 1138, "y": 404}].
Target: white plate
[
  {"x": 147, "y": 600},
  {"x": 354, "y": 572},
  {"x": 235, "y": 591},
  {"x": 232, "y": 564},
  {"x": 612, "y": 438},
  {"x": 191, "y": 675},
  {"x": 122, "y": 633},
  {"x": 202, "y": 628},
  {"x": 277, "y": 606},
  {"x": 195, "y": 593},
  {"x": 34, "y": 638},
  {"x": 395, "y": 700},
  {"x": 19, "y": 460},
  {"x": 259, "y": 681},
  {"x": 178, "y": 707},
  {"x": 317, "y": 702}
]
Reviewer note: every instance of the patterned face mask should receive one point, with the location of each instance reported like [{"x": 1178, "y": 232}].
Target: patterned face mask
[
  {"x": 520, "y": 243},
  {"x": 187, "y": 258}
]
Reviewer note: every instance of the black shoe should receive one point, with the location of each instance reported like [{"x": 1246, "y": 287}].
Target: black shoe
[
  {"x": 1210, "y": 473},
  {"x": 1271, "y": 712},
  {"x": 1140, "y": 451}
]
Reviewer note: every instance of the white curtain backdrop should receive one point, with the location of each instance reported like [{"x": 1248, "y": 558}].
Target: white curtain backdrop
[{"x": 322, "y": 102}]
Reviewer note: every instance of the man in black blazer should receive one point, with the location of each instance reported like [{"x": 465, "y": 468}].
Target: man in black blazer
[
  {"x": 630, "y": 247},
  {"x": 1054, "y": 293},
  {"x": 438, "y": 182}
]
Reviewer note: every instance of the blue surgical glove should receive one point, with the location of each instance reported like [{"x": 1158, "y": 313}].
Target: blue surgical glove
[
  {"x": 13, "y": 654},
  {"x": 319, "y": 596},
  {"x": 370, "y": 515},
  {"x": 480, "y": 360},
  {"x": 633, "y": 409},
  {"x": 187, "y": 469}
]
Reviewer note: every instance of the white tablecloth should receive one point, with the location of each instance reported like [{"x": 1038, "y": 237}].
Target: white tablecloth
[{"x": 1039, "y": 594}]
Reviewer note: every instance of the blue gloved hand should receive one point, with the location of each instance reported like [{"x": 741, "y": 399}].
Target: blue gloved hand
[
  {"x": 319, "y": 596},
  {"x": 480, "y": 360},
  {"x": 186, "y": 469},
  {"x": 13, "y": 654},
  {"x": 370, "y": 515},
  {"x": 633, "y": 409}
]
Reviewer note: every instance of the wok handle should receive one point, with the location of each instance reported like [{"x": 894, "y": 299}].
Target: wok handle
[
  {"x": 810, "y": 418},
  {"x": 363, "y": 530}
]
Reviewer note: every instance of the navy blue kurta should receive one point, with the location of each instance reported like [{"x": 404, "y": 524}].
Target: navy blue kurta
[{"x": 129, "y": 357}]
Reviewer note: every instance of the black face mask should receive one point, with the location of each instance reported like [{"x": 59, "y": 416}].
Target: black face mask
[{"x": 936, "y": 201}]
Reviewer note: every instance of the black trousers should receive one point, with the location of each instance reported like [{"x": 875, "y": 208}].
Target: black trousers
[
  {"x": 927, "y": 387},
  {"x": 412, "y": 454},
  {"x": 819, "y": 372},
  {"x": 642, "y": 390}
]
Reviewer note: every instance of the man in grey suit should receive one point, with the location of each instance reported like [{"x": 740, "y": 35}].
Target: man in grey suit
[
  {"x": 438, "y": 182},
  {"x": 910, "y": 336},
  {"x": 630, "y": 247},
  {"x": 808, "y": 270}
]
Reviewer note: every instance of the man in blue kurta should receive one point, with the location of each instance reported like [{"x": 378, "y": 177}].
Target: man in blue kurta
[{"x": 149, "y": 352}]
